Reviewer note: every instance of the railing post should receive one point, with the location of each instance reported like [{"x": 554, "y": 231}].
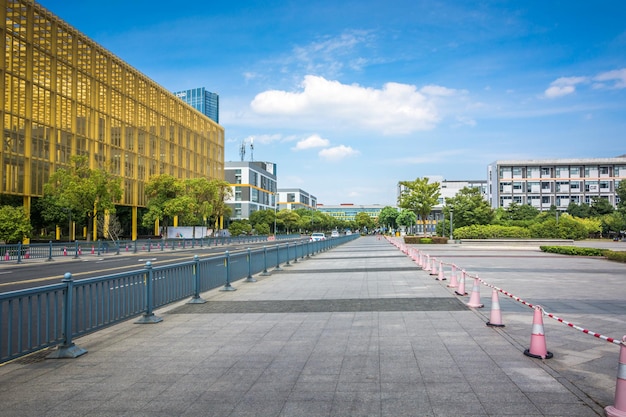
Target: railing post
[
  {"x": 149, "y": 244},
  {"x": 196, "y": 299},
  {"x": 135, "y": 248},
  {"x": 67, "y": 349},
  {"x": 117, "y": 247},
  {"x": 278, "y": 268},
  {"x": 19, "y": 252},
  {"x": 295, "y": 252},
  {"x": 149, "y": 317},
  {"x": 50, "y": 251},
  {"x": 98, "y": 247},
  {"x": 265, "y": 273},
  {"x": 227, "y": 286},
  {"x": 249, "y": 257},
  {"x": 287, "y": 263}
]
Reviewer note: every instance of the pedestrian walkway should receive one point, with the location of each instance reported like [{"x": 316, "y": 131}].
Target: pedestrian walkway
[{"x": 355, "y": 331}]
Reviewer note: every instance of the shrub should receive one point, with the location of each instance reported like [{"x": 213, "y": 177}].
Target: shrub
[
  {"x": 616, "y": 256},
  {"x": 426, "y": 240},
  {"x": 490, "y": 231},
  {"x": 574, "y": 250}
]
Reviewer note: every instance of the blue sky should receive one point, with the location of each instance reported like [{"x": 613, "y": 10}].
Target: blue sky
[{"x": 350, "y": 97}]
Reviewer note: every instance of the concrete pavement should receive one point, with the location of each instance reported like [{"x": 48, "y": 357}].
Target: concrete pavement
[{"x": 355, "y": 331}]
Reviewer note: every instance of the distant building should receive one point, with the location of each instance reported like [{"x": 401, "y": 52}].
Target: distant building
[
  {"x": 204, "y": 101},
  {"x": 554, "y": 182},
  {"x": 254, "y": 187},
  {"x": 348, "y": 211},
  {"x": 295, "y": 198}
]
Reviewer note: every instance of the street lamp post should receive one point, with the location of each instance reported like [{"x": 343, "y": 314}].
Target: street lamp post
[{"x": 451, "y": 211}]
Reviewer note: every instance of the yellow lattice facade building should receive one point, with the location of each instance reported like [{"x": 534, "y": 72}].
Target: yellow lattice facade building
[{"x": 63, "y": 95}]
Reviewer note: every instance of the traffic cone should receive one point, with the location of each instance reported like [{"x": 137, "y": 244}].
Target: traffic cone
[
  {"x": 80, "y": 250},
  {"x": 93, "y": 249},
  {"x": 495, "y": 320},
  {"x": 453, "y": 281},
  {"x": 427, "y": 269},
  {"x": 6, "y": 255},
  {"x": 538, "y": 339},
  {"x": 474, "y": 300},
  {"x": 64, "y": 251},
  {"x": 461, "y": 289},
  {"x": 433, "y": 269},
  {"x": 619, "y": 409},
  {"x": 27, "y": 255},
  {"x": 441, "y": 276}
]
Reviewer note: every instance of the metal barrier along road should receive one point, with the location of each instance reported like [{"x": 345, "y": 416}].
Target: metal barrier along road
[
  {"x": 20, "y": 252},
  {"x": 53, "y": 315}
]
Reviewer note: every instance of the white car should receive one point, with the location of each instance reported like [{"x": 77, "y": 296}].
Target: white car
[
  {"x": 317, "y": 236},
  {"x": 334, "y": 233}
]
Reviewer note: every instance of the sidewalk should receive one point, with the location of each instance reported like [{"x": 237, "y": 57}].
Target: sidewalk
[{"x": 355, "y": 331}]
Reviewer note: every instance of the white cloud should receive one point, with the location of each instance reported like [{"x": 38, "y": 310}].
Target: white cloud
[
  {"x": 617, "y": 76},
  {"x": 394, "y": 109},
  {"x": 563, "y": 86},
  {"x": 337, "y": 153},
  {"x": 313, "y": 141}
]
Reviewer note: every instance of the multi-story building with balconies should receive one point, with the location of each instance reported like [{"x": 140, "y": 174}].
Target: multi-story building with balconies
[
  {"x": 554, "y": 182},
  {"x": 295, "y": 198},
  {"x": 254, "y": 187}
]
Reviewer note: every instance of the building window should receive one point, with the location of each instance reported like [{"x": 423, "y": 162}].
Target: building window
[
  {"x": 517, "y": 172},
  {"x": 545, "y": 172},
  {"x": 604, "y": 171},
  {"x": 574, "y": 186},
  {"x": 574, "y": 172},
  {"x": 546, "y": 186}
]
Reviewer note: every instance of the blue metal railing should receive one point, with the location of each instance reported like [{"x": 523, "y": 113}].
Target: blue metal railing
[
  {"x": 20, "y": 252},
  {"x": 53, "y": 315}
]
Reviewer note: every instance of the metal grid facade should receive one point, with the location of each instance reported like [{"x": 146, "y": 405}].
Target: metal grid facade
[{"x": 61, "y": 94}]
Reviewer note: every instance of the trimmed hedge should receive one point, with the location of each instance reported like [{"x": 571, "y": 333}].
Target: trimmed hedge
[
  {"x": 415, "y": 240},
  {"x": 491, "y": 231},
  {"x": 616, "y": 256},
  {"x": 574, "y": 250}
]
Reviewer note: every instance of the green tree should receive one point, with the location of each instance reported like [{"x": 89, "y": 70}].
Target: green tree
[
  {"x": 613, "y": 223},
  {"x": 469, "y": 207},
  {"x": 261, "y": 218},
  {"x": 14, "y": 224},
  {"x": 600, "y": 206},
  {"x": 419, "y": 196},
  {"x": 262, "y": 229},
  {"x": 387, "y": 217},
  {"x": 221, "y": 210},
  {"x": 578, "y": 210},
  {"x": 363, "y": 221},
  {"x": 160, "y": 191},
  {"x": 84, "y": 191},
  {"x": 406, "y": 218},
  {"x": 521, "y": 212},
  {"x": 288, "y": 218},
  {"x": 620, "y": 191},
  {"x": 239, "y": 227}
]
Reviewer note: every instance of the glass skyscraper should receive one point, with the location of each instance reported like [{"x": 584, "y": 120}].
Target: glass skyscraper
[{"x": 202, "y": 100}]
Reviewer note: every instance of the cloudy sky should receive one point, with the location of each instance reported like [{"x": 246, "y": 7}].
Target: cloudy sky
[{"x": 350, "y": 97}]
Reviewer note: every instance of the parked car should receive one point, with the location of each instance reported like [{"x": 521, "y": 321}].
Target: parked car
[
  {"x": 334, "y": 233},
  {"x": 317, "y": 236}
]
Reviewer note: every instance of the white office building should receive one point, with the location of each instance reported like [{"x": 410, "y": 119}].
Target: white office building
[
  {"x": 554, "y": 182},
  {"x": 295, "y": 198},
  {"x": 254, "y": 187}
]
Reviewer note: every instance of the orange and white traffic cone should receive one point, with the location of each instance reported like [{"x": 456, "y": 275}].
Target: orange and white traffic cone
[
  {"x": 64, "y": 251},
  {"x": 6, "y": 255},
  {"x": 461, "y": 289},
  {"x": 474, "y": 300},
  {"x": 453, "y": 281},
  {"x": 538, "y": 347},
  {"x": 619, "y": 408},
  {"x": 93, "y": 249},
  {"x": 495, "y": 319}
]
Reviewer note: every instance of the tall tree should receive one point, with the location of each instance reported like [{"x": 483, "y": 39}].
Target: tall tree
[
  {"x": 387, "y": 217},
  {"x": 620, "y": 190},
  {"x": 288, "y": 218},
  {"x": 84, "y": 191},
  {"x": 14, "y": 224},
  {"x": 406, "y": 218},
  {"x": 160, "y": 191},
  {"x": 419, "y": 196},
  {"x": 469, "y": 207},
  {"x": 363, "y": 221}
]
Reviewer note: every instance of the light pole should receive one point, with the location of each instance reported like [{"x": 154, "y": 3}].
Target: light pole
[{"x": 451, "y": 212}]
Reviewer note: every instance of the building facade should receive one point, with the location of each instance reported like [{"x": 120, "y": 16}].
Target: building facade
[
  {"x": 554, "y": 182},
  {"x": 348, "y": 211},
  {"x": 295, "y": 198},
  {"x": 254, "y": 187},
  {"x": 202, "y": 100},
  {"x": 61, "y": 95}
]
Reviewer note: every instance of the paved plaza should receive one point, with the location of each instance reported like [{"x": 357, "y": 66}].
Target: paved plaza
[{"x": 358, "y": 330}]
